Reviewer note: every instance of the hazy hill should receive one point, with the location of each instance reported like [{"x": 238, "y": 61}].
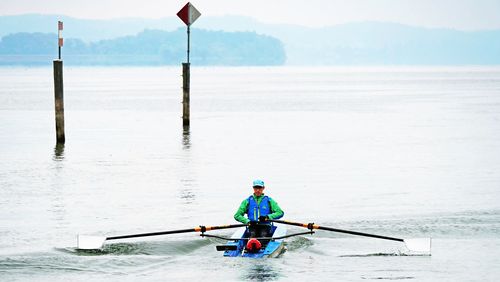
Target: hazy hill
[
  {"x": 86, "y": 30},
  {"x": 374, "y": 43},
  {"x": 149, "y": 47},
  {"x": 367, "y": 43}
]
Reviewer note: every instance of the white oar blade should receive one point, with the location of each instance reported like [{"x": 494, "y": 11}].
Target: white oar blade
[
  {"x": 86, "y": 242},
  {"x": 419, "y": 245}
]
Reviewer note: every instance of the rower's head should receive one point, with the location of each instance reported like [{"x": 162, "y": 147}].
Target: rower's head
[{"x": 258, "y": 187}]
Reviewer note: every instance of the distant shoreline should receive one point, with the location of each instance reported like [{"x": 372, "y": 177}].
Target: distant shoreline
[
  {"x": 243, "y": 41},
  {"x": 351, "y": 68}
]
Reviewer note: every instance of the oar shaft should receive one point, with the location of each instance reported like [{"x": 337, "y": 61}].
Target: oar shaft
[
  {"x": 196, "y": 229},
  {"x": 151, "y": 234},
  {"x": 258, "y": 238},
  {"x": 208, "y": 228},
  {"x": 359, "y": 233},
  {"x": 314, "y": 226},
  {"x": 291, "y": 223}
]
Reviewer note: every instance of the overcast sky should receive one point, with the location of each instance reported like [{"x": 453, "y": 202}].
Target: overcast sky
[{"x": 457, "y": 14}]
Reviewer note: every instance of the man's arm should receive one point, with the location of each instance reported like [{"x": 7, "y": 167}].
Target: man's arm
[
  {"x": 277, "y": 212},
  {"x": 240, "y": 213}
]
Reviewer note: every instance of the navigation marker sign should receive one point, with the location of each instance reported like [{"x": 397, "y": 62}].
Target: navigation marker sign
[
  {"x": 59, "y": 32},
  {"x": 60, "y": 37},
  {"x": 188, "y": 14}
]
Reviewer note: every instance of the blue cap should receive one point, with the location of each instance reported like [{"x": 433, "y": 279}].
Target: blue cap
[{"x": 258, "y": 183}]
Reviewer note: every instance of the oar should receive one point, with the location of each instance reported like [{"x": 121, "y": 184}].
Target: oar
[
  {"x": 258, "y": 238},
  {"x": 418, "y": 245},
  {"x": 86, "y": 242}
]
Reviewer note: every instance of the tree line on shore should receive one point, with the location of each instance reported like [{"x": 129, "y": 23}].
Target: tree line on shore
[{"x": 149, "y": 47}]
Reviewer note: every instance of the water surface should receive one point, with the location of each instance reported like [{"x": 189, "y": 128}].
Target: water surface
[{"x": 403, "y": 152}]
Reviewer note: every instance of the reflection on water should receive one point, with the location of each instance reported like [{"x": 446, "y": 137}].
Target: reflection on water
[
  {"x": 58, "y": 152},
  {"x": 186, "y": 138},
  {"x": 260, "y": 272},
  {"x": 57, "y": 198},
  {"x": 188, "y": 182},
  {"x": 186, "y": 193}
]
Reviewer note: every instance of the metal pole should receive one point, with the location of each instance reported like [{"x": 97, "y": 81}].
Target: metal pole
[{"x": 188, "y": 33}]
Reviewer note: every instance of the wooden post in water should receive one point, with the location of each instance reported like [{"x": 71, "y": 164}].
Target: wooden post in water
[
  {"x": 59, "y": 101},
  {"x": 188, "y": 14},
  {"x": 185, "y": 94}
]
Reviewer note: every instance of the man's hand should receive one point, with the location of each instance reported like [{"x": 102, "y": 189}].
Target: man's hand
[
  {"x": 263, "y": 218},
  {"x": 253, "y": 223}
]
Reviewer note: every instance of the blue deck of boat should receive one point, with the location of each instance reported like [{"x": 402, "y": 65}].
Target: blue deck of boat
[{"x": 272, "y": 249}]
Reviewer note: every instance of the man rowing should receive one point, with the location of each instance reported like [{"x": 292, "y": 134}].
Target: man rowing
[{"x": 259, "y": 209}]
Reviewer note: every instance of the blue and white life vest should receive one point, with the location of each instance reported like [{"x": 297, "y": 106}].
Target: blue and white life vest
[{"x": 255, "y": 210}]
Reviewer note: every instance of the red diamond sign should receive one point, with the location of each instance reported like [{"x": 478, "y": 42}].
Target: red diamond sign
[{"x": 188, "y": 14}]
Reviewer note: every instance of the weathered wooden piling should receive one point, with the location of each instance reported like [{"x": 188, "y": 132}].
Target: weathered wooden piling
[
  {"x": 185, "y": 93},
  {"x": 59, "y": 100},
  {"x": 188, "y": 14}
]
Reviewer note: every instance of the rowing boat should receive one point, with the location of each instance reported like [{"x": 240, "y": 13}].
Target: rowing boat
[
  {"x": 271, "y": 247},
  {"x": 237, "y": 244}
]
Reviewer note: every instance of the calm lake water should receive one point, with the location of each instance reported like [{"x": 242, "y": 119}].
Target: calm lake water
[{"x": 402, "y": 152}]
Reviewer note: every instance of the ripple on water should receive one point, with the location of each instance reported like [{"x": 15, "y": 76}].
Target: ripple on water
[
  {"x": 298, "y": 243},
  {"x": 158, "y": 248}
]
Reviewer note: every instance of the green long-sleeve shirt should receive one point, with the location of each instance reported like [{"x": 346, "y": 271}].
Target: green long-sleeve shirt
[{"x": 240, "y": 213}]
